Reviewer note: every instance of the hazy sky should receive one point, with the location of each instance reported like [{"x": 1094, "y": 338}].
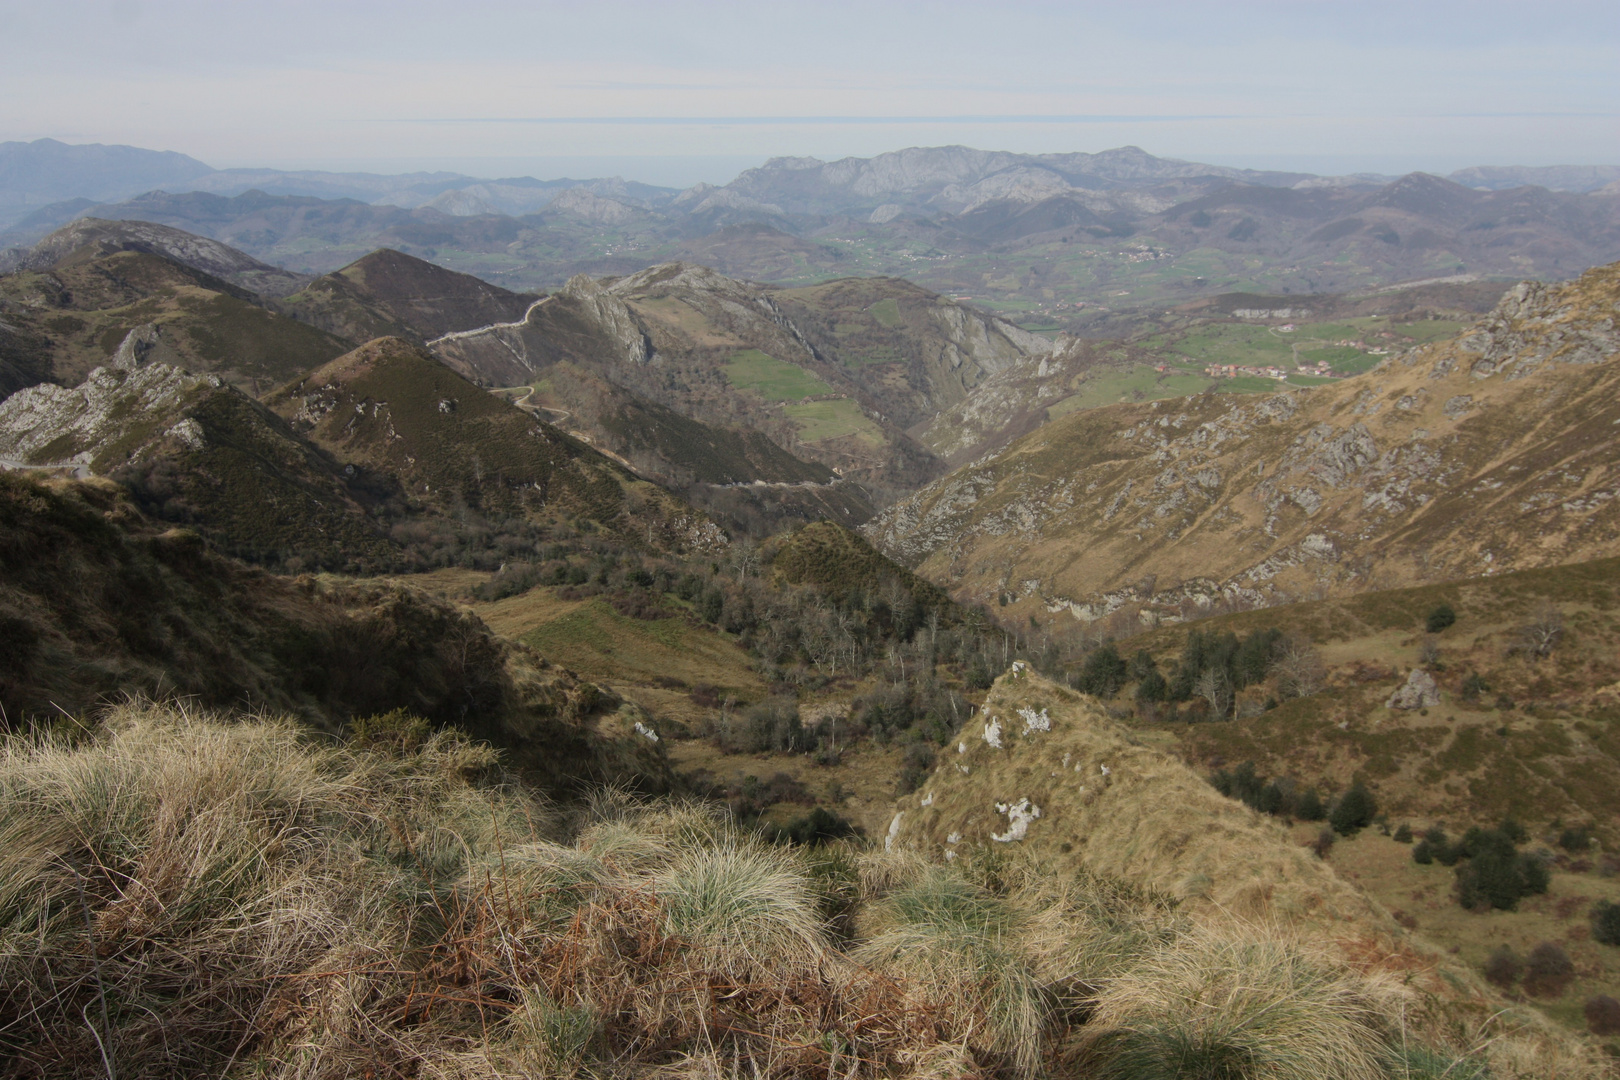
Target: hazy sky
[{"x": 677, "y": 92}]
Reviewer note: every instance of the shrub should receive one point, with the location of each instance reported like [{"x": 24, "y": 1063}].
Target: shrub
[
  {"x": 1473, "y": 685},
  {"x": 819, "y": 826},
  {"x": 1439, "y": 618},
  {"x": 1503, "y": 967},
  {"x": 1323, "y": 842},
  {"x": 1354, "y": 811},
  {"x": 915, "y": 765},
  {"x": 1309, "y": 806},
  {"x": 1606, "y": 923},
  {"x": 398, "y": 731},
  {"x": 1403, "y": 834},
  {"x": 1423, "y": 853},
  {"x": 1548, "y": 970},
  {"x": 1602, "y": 1015},
  {"x": 1576, "y": 839}
]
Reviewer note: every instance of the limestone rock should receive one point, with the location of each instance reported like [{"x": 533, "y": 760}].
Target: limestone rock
[{"x": 1419, "y": 692}]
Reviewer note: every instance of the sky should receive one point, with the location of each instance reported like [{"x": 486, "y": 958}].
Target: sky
[{"x": 677, "y": 92}]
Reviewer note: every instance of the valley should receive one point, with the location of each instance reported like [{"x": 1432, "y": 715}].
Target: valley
[{"x": 1023, "y": 655}]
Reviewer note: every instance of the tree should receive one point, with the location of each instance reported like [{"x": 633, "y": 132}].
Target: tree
[
  {"x": 1309, "y": 806},
  {"x": 1215, "y": 688},
  {"x": 1103, "y": 672},
  {"x": 1354, "y": 811},
  {"x": 1538, "y": 637},
  {"x": 1299, "y": 668}
]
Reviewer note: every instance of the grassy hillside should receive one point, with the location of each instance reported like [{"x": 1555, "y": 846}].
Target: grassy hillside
[
  {"x": 86, "y": 307},
  {"x": 1483, "y": 453},
  {"x": 390, "y": 294},
  {"x": 98, "y": 604},
  {"x": 1509, "y": 735},
  {"x": 448, "y": 923},
  {"x": 1042, "y": 769},
  {"x": 393, "y": 409}
]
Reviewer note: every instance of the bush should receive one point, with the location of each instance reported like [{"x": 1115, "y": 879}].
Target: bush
[
  {"x": 1602, "y": 1015},
  {"x": 1440, "y": 618},
  {"x": 1474, "y": 685},
  {"x": 1503, "y": 967},
  {"x": 1403, "y": 835},
  {"x": 398, "y": 731},
  {"x": 1309, "y": 806},
  {"x": 1576, "y": 839},
  {"x": 819, "y": 826},
  {"x": 1606, "y": 923},
  {"x": 915, "y": 765},
  {"x": 1548, "y": 970},
  {"x": 1354, "y": 811},
  {"x": 1323, "y": 843}
]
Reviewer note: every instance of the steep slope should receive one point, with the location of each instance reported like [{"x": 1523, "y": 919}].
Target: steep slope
[
  {"x": 1042, "y": 769},
  {"x": 391, "y": 408},
  {"x": 83, "y": 305},
  {"x": 912, "y": 351},
  {"x": 1490, "y": 452},
  {"x": 713, "y": 349},
  {"x": 198, "y": 452},
  {"x": 390, "y": 294},
  {"x": 97, "y": 602},
  {"x": 834, "y": 373}
]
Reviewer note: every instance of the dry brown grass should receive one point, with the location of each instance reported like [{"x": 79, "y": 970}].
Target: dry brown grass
[
  {"x": 1151, "y": 821},
  {"x": 187, "y": 895}
]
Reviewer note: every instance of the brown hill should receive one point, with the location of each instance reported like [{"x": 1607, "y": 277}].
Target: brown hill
[
  {"x": 80, "y": 308},
  {"x": 1490, "y": 452},
  {"x": 390, "y": 294},
  {"x": 391, "y": 408}
]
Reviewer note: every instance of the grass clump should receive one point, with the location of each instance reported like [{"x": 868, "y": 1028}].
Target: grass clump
[{"x": 1224, "y": 1007}]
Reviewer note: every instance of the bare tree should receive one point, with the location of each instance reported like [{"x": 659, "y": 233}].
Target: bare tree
[
  {"x": 1215, "y": 688},
  {"x": 1298, "y": 668},
  {"x": 1538, "y": 637}
]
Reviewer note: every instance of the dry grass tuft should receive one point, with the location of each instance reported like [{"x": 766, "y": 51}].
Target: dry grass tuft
[{"x": 1243, "y": 1003}]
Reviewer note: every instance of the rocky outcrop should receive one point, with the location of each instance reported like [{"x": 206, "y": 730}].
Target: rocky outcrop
[
  {"x": 611, "y": 316},
  {"x": 1418, "y": 692},
  {"x": 109, "y": 419}
]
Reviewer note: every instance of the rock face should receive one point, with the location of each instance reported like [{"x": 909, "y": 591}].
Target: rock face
[
  {"x": 1495, "y": 451},
  {"x": 1420, "y": 692},
  {"x": 108, "y": 419}
]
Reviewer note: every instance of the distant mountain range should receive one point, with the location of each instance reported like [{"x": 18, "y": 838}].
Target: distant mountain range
[{"x": 1041, "y": 233}]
